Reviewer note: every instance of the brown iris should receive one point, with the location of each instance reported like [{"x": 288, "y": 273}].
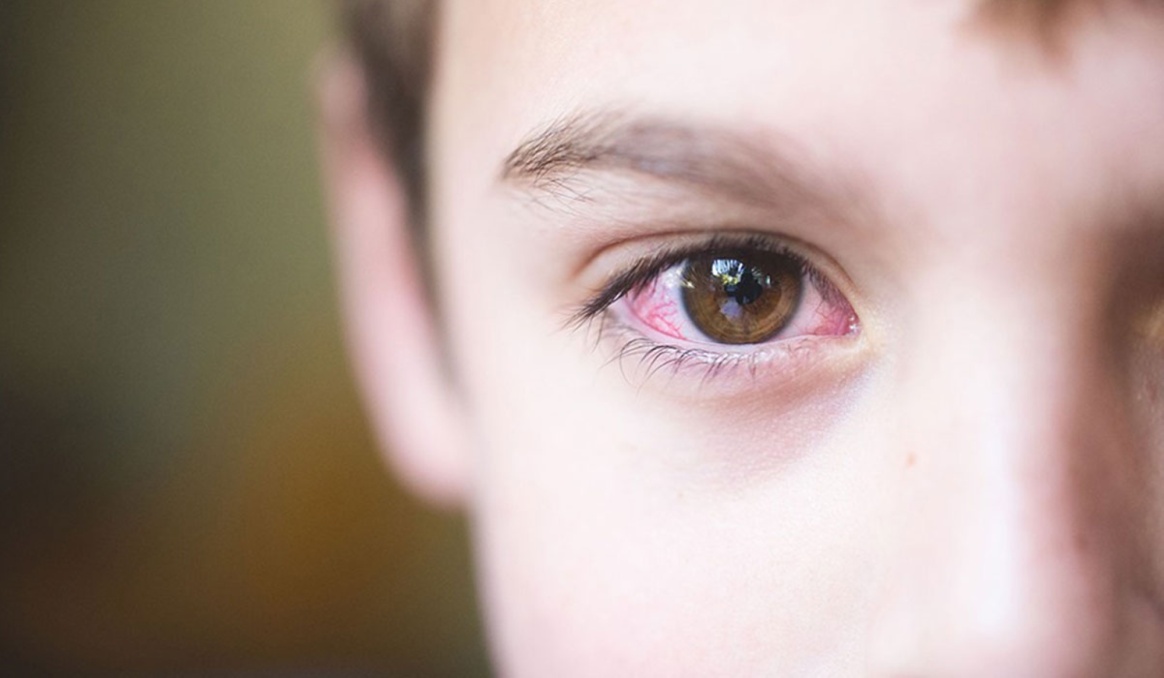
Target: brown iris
[{"x": 741, "y": 298}]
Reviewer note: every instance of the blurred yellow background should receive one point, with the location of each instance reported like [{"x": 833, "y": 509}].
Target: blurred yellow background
[{"x": 187, "y": 485}]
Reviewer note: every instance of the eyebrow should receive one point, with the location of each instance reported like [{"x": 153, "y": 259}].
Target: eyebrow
[{"x": 759, "y": 169}]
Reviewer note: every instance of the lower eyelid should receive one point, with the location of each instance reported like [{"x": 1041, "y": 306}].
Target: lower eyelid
[
  {"x": 641, "y": 359},
  {"x": 699, "y": 372}
]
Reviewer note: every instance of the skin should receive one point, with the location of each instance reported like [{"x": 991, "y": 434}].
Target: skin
[{"x": 970, "y": 485}]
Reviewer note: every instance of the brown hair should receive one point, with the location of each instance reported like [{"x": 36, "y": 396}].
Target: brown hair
[{"x": 393, "y": 42}]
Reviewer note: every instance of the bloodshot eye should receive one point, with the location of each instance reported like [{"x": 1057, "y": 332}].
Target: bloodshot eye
[
  {"x": 741, "y": 299},
  {"x": 737, "y": 297}
]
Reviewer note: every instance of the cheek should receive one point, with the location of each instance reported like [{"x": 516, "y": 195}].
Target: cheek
[
  {"x": 623, "y": 534},
  {"x": 599, "y": 563},
  {"x": 624, "y": 531}
]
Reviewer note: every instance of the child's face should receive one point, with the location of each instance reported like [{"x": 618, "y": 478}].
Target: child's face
[{"x": 881, "y": 395}]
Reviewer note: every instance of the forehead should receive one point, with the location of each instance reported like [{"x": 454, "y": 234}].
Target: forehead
[
  {"x": 647, "y": 49},
  {"x": 916, "y": 93}
]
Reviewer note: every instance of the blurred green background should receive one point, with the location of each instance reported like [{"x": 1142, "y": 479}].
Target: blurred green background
[{"x": 187, "y": 485}]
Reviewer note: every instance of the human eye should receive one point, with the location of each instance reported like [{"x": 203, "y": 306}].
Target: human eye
[{"x": 719, "y": 304}]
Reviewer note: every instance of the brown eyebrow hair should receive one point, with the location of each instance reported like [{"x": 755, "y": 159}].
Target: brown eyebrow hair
[
  {"x": 394, "y": 43},
  {"x": 1031, "y": 13},
  {"x": 1039, "y": 18},
  {"x": 614, "y": 141},
  {"x": 572, "y": 157}
]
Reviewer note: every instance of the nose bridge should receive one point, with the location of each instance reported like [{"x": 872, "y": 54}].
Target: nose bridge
[
  {"x": 1018, "y": 445},
  {"x": 1004, "y": 566}
]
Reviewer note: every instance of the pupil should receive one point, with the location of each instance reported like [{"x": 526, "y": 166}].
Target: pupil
[{"x": 740, "y": 282}]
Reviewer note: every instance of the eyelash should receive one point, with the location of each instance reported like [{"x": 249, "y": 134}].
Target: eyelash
[{"x": 655, "y": 356}]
